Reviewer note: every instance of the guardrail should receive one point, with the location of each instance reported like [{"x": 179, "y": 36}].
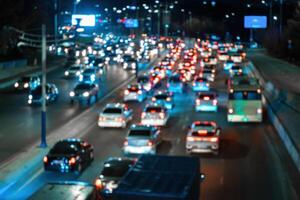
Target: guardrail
[
  {"x": 13, "y": 64},
  {"x": 271, "y": 94}
]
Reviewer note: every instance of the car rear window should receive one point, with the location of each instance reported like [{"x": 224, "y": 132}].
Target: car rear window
[
  {"x": 243, "y": 95},
  {"x": 64, "y": 148},
  {"x": 140, "y": 133},
  {"x": 83, "y": 87},
  {"x": 112, "y": 111},
  {"x": 154, "y": 109},
  {"x": 116, "y": 171}
]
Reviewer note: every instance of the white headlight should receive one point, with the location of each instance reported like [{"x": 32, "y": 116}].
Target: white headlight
[
  {"x": 16, "y": 85},
  {"x": 30, "y": 97},
  {"x": 86, "y": 94},
  {"x": 78, "y": 73},
  {"x": 72, "y": 94},
  {"x": 26, "y": 85},
  {"x": 66, "y": 73}
]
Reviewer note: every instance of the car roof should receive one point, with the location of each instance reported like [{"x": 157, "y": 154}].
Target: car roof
[{"x": 115, "y": 105}]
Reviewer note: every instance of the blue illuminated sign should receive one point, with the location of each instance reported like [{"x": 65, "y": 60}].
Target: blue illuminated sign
[
  {"x": 131, "y": 23},
  {"x": 255, "y": 22}
]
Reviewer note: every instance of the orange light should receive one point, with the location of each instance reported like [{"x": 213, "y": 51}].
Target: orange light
[
  {"x": 72, "y": 161},
  {"x": 214, "y": 139},
  {"x": 150, "y": 143},
  {"x": 45, "y": 159},
  {"x": 190, "y": 139},
  {"x": 140, "y": 92},
  {"x": 125, "y": 142},
  {"x": 143, "y": 114},
  {"x": 98, "y": 184},
  {"x": 161, "y": 115},
  {"x": 168, "y": 99},
  {"x": 206, "y": 98},
  {"x": 126, "y": 92},
  {"x": 202, "y": 132}
]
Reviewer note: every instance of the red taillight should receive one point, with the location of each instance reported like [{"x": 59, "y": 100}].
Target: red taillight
[
  {"x": 98, "y": 184},
  {"x": 72, "y": 161},
  {"x": 45, "y": 159},
  {"x": 150, "y": 143},
  {"x": 161, "y": 115},
  {"x": 215, "y": 102},
  {"x": 125, "y": 142},
  {"x": 214, "y": 139},
  {"x": 190, "y": 139},
  {"x": 126, "y": 92}
]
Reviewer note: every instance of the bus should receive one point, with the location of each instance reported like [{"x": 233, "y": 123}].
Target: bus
[{"x": 244, "y": 100}]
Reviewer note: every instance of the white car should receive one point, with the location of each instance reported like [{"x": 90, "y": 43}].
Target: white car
[
  {"x": 155, "y": 115},
  {"x": 135, "y": 92},
  {"x": 203, "y": 137},
  {"x": 115, "y": 115}
]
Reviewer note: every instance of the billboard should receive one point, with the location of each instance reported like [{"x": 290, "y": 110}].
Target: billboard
[
  {"x": 85, "y": 20},
  {"x": 131, "y": 23},
  {"x": 255, "y": 22}
]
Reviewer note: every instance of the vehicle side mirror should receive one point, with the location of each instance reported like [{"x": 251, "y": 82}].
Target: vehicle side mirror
[{"x": 219, "y": 130}]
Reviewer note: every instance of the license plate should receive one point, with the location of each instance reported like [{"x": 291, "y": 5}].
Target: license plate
[{"x": 58, "y": 162}]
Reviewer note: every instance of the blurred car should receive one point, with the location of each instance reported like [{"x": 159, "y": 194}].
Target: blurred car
[
  {"x": 228, "y": 64},
  {"x": 203, "y": 137},
  {"x": 206, "y": 101},
  {"x": 236, "y": 70},
  {"x": 223, "y": 56},
  {"x": 69, "y": 155},
  {"x": 27, "y": 83},
  {"x": 154, "y": 115},
  {"x": 135, "y": 92},
  {"x": 84, "y": 92},
  {"x": 142, "y": 139},
  {"x": 74, "y": 71},
  {"x": 35, "y": 95},
  {"x": 89, "y": 75},
  {"x": 236, "y": 58},
  {"x": 163, "y": 98},
  {"x": 175, "y": 84},
  {"x": 115, "y": 115},
  {"x": 130, "y": 64},
  {"x": 208, "y": 73},
  {"x": 200, "y": 84},
  {"x": 145, "y": 82},
  {"x": 114, "y": 169}
]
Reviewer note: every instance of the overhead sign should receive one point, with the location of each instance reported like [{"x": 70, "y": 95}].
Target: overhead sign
[
  {"x": 255, "y": 22},
  {"x": 84, "y": 20},
  {"x": 131, "y": 23}
]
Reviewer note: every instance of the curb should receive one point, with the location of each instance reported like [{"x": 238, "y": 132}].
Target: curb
[{"x": 283, "y": 133}]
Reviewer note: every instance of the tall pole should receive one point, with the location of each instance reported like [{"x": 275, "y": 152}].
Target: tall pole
[
  {"x": 271, "y": 14},
  {"x": 43, "y": 128},
  {"x": 158, "y": 22},
  {"x": 280, "y": 17},
  {"x": 55, "y": 24}
]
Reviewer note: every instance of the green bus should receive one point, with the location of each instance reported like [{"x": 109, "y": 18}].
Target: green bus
[{"x": 244, "y": 100}]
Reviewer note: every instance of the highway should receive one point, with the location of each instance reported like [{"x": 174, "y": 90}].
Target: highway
[{"x": 252, "y": 164}]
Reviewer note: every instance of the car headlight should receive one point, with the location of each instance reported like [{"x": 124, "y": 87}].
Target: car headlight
[
  {"x": 66, "y": 73},
  {"x": 72, "y": 94},
  {"x": 78, "y": 73},
  {"x": 30, "y": 97},
  {"x": 80, "y": 78},
  {"x": 16, "y": 85},
  {"x": 26, "y": 85},
  {"x": 86, "y": 94},
  {"x": 93, "y": 77}
]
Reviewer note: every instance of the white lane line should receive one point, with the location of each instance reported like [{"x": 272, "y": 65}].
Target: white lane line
[{"x": 31, "y": 179}]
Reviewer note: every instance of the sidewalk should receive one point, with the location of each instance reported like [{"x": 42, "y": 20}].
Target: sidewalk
[
  {"x": 9, "y": 76},
  {"x": 281, "y": 81}
]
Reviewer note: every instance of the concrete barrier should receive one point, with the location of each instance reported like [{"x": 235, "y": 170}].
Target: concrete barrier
[
  {"x": 271, "y": 94},
  {"x": 13, "y": 64}
]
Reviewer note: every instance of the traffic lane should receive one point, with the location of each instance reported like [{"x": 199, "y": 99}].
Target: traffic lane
[{"x": 23, "y": 122}]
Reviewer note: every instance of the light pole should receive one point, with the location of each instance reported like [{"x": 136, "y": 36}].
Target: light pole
[
  {"x": 44, "y": 95},
  {"x": 55, "y": 24},
  {"x": 280, "y": 17}
]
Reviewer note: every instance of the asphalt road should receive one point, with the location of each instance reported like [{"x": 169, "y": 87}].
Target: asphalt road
[{"x": 253, "y": 163}]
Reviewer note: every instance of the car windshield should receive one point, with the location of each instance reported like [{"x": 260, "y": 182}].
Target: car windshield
[
  {"x": 75, "y": 68},
  {"x": 245, "y": 95},
  {"x": 161, "y": 96},
  {"x": 38, "y": 91},
  {"x": 235, "y": 67},
  {"x": 154, "y": 109},
  {"x": 143, "y": 79},
  {"x": 112, "y": 111},
  {"x": 139, "y": 133},
  {"x": 83, "y": 87},
  {"x": 64, "y": 148},
  {"x": 114, "y": 170},
  {"x": 89, "y": 71}
]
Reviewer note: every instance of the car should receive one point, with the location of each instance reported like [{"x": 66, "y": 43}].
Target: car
[
  {"x": 89, "y": 75},
  {"x": 223, "y": 56},
  {"x": 114, "y": 169},
  {"x": 163, "y": 98},
  {"x": 130, "y": 64},
  {"x": 228, "y": 64},
  {"x": 115, "y": 115},
  {"x": 175, "y": 84},
  {"x": 135, "y": 92},
  {"x": 27, "y": 83},
  {"x": 160, "y": 71},
  {"x": 84, "y": 92},
  {"x": 203, "y": 137},
  {"x": 35, "y": 95},
  {"x": 206, "y": 101},
  {"x": 236, "y": 58},
  {"x": 155, "y": 115},
  {"x": 145, "y": 82},
  {"x": 69, "y": 155},
  {"x": 200, "y": 84},
  {"x": 208, "y": 73},
  {"x": 73, "y": 71},
  {"x": 142, "y": 139},
  {"x": 236, "y": 70}
]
